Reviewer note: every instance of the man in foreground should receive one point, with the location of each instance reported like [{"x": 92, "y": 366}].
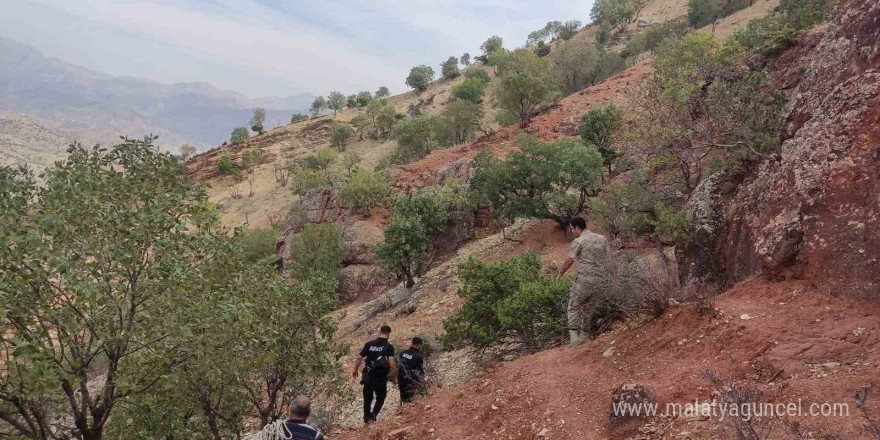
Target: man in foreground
[
  {"x": 378, "y": 359},
  {"x": 411, "y": 371},
  {"x": 590, "y": 251},
  {"x": 295, "y": 427}
]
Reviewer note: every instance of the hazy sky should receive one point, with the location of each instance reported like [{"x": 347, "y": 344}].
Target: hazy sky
[{"x": 274, "y": 47}]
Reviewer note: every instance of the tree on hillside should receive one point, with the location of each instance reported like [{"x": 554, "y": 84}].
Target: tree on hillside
[
  {"x": 340, "y": 135},
  {"x": 318, "y": 105},
  {"x": 416, "y": 221},
  {"x": 470, "y": 89},
  {"x": 420, "y": 77},
  {"x": 449, "y": 68},
  {"x": 226, "y": 165},
  {"x": 317, "y": 248},
  {"x": 415, "y": 139},
  {"x": 383, "y": 92},
  {"x": 258, "y": 119},
  {"x": 364, "y": 98},
  {"x": 494, "y": 43},
  {"x": 240, "y": 134},
  {"x": 598, "y": 128},
  {"x": 617, "y": 14},
  {"x": 537, "y": 37},
  {"x": 96, "y": 308},
  {"x": 542, "y": 180},
  {"x": 552, "y": 28},
  {"x": 336, "y": 102},
  {"x": 569, "y": 29},
  {"x": 298, "y": 117},
  {"x": 465, "y": 59},
  {"x": 382, "y": 117},
  {"x": 527, "y": 83},
  {"x": 577, "y": 66},
  {"x": 351, "y": 101},
  {"x": 457, "y": 123},
  {"x": 187, "y": 151}
]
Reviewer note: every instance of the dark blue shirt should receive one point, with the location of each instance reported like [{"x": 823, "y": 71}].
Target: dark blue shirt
[{"x": 301, "y": 431}]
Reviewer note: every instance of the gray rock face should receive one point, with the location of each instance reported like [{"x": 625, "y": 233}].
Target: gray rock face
[
  {"x": 699, "y": 259},
  {"x": 459, "y": 230},
  {"x": 360, "y": 239},
  {"x": 630, "y": 394},
  {"x": 460, "y": 169}
]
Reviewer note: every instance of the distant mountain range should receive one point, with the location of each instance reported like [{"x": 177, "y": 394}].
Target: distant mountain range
[{"x": 46, "y": 101}]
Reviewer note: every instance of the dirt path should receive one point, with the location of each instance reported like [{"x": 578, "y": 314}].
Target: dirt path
[{"x": 828, "y": 347}]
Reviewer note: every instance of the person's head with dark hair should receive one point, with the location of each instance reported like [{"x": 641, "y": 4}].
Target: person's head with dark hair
[
  {"x": 300, "y": 408},
  {"x": 417, "y": 343},
  {"x": 385, "y": 331},
  {"x": 578, "y": 224}
]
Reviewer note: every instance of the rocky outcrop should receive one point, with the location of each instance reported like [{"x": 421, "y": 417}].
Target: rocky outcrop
[
  {"x": 460, "y": 170},
  {"x": 459, "y": 230},
  {"x": 698, "y": 259},
  {"x": 815, "y": 213}
]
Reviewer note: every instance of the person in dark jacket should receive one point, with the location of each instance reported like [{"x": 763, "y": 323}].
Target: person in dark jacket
[
  {"x": 296, "y": 428},
  {"x": 411, "y": 371},
  {"x": 377, "y": 356}
]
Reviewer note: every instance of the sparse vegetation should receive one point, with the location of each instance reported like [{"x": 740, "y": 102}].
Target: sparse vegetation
[
  {"x": 226, "y": 165},
  {"x": 616, "y": 14},
  {"x": 420, "y": 77},
  {"x": 257, "y": 120},
  {"x": 704, "y": 12},
  {"x": 298, "y": 117},
  {"x": 415, "y": 139},
  {"x": 650, "y": 39}
]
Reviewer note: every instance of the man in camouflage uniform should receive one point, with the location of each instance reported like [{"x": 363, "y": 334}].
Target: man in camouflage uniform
[{"x": 593, "y": 257}]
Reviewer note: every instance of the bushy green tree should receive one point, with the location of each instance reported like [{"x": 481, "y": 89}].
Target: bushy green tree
[
  {"x": 553, "y": 28},
  {"x": 366, "y": 189},
  {"x": 318, "y": 105},
  {"x": 615, "y": 13},
  {"x": 477, "y": 73},
  {"x": 537, "y": 37},
  {"x": 449, "y": 68},
  {"x": 298, "y": 117},
  {"x": 226, "y": 165},
  {"x": 471, "y": 89},
  {"x": 704, "y": 12},
  {"x": 312, "y": 171},
  {"x": 651, "y": 38},
  {"x": 351, "y": 101},
  {"x": 405, "y": 251},
  {"x": 364, "y": 98},
  {"x": 382, "y": 118},
  {"x": 258, "y": 119},
  {"x": 577, "y": 66},
  {"x": 336, "y": 102},
  {"x": 542, "y": 180},
  {"x": 340, "y": 135},
  {"x": 598, "y": 127},
  {"x": 465, "y": 59},
  {"x": 509, "y": 299},
  {"x": 569, "y": 29},
  {"x": 527, "y": 84},
  {"x": 415, "y": 139},
  {"x": 383, "y": 92},
  {"x": 317, "y": 248},
  {"x": 240, "y": 134},
  {"x": 420, "y": 77},
  {"x": 258, "y": 243},
  {"x": 492, "y": 44},
  {"x": 624, "y": 208},
  {"x": 457, "y": 123}
]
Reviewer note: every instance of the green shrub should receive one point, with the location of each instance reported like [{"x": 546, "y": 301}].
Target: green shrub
[
  {"x": 336, "y": 101},
  {"x": 527, "y": 84},
  {"x": 226, "y": 165},
  {"x": 471, "y": 89},
  {"x": 449, "y": 68},
  {"x": 420, "y": 77},
  {"x": 320, "y": 161},
  {"x": 598, "y": 128},
  {"x": 251, "y": 158},
  {"x": 510, "y": 299},
  {"x": 616, "y": 14},
  {"x": 383, "y": 92},
  {"x": 768, "y": 35},
  {"x": 624, "y": 208},
  {"x": 240, "y": 134},
  {"x": 415, "y": 139},
  {"x": 569, "y": 29},
  {"x": 705, "y": 12},
  {"x": 258, "y": 244},
  {"x": 477, "y": 73},
  {"x": 406, "y": 249},
  {"x": 303, "y": 179},
  {"x": 458, "y": 122},
  {"x": 317, "y": 248},
  {"x": 298, "y": 117},
  {"x": 340, "y": 136},
  {"x": 804, "y": 14},
  {"x": 671, "y": 224},
  {"x": 363, "y": 98},
  {"x": 366, "y": 189},
  {"x": 651, "y": 38},
  {"x": 350, "y": 161}
]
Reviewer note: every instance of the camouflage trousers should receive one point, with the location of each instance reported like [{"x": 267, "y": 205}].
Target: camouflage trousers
[{"x": 585, "y": 293}]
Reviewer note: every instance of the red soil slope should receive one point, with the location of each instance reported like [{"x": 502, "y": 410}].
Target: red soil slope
[{"x": 827, "y": 347}]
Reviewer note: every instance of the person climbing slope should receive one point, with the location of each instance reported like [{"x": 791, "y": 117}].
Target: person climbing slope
[
  {"x": 377, "y": 356},
  {"x": 594, "y": 279},
  {"x": 411, "y": 371}
]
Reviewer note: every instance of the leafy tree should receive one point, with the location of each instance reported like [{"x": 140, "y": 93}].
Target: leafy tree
[
  {"x": 405, "y": 251},
  {"x": 465, "y": 59},
  {"x": 470, "y": 89},
  {"x": 553, "y": 28},
  {"x": 599, "y": 125},
  {"x": 499, "y": 59},
  {"x": 187, "y": 151},
  {"x": 298, "y": 117},
  {"x": 312, "y": 171},
  {"x": 239, "y": 135},
  {"x": 366, "y": 190},
  {"x": 537, "y": 37},
  {"x": 320, "y": 161},
  {"x": 542, "y": 180},
  {"x": 258, "y": 119},
  {"x": 382, "y": 117},
  {"x": 341, "y": 134},
  {"x": 317, "y": 248},
  {"x": 95, "y": 302},
  {"x": 624, "y": 208},
  {"x": 616, "y": 13},
  {"x": 318, "y": 105},
  {"x": 493, "y": 44},
  {"x": 577, "y": 66},
  {"x": 383, "y": 92},
  {"x": 364, "y": 98},
  {"x": 351, "y": 101},
  {"x": 458, "y": 122},
  {"x": 651, "y": 38},
  {"x": 509, "y": 299},
  {"x": 477, "y": 73},
  {"x": 526, "y": 85},
  {"x": 226, "y": 165},
  {"x": 415, "y": 139},
  {"x": 420, "y": 77},
  {"x": 350, "y": 161},
  {"x": 336, "y": 102},
  {"x": 569, "y": 29},
  {"x": 258, "y": 243},
  {"x": 449, "y": 68}
]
